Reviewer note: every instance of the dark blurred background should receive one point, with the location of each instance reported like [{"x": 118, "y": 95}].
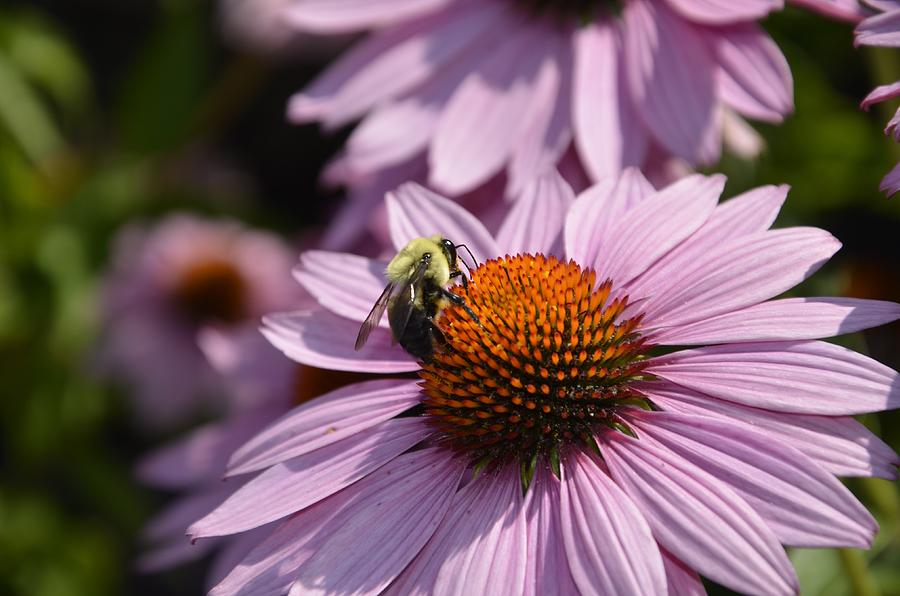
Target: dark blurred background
[{"x": 112, "y": 111}]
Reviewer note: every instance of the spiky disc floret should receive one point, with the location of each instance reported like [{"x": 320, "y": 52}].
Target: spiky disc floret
[{"x": 548, "y": 358}]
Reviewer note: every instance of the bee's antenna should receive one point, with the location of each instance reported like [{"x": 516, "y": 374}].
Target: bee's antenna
[{"x": 470, "y": 256}]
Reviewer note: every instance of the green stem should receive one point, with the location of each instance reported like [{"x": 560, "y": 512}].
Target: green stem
[{"x": 857, "y": 572}]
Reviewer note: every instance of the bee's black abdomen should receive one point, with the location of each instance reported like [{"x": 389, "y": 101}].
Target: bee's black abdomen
[{"x": 417, "y": 337}]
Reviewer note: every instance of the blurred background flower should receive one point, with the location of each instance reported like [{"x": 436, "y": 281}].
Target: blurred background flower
[
  {"x": 170, "y": 283},
  {"x": 260, "y": 385},
  {"x": 460, "y": 93},
  {"x": 116, "y": 113}
]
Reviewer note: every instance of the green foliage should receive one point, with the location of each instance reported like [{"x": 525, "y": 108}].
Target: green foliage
[{"x": 164, "y": 90}]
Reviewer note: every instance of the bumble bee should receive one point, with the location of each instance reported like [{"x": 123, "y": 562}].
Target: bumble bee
[{"x": 415, "y": 294}]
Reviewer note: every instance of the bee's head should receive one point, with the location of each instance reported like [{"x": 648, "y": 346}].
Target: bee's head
[{"x": 449, "y": 250}]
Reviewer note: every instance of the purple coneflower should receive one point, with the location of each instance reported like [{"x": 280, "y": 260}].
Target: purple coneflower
[
  {"x": 556, "y": 445},
  {"x": 884, "y": 30},
  {"x": 484, "y": 87},
  {"x": 169, "y": 282}
]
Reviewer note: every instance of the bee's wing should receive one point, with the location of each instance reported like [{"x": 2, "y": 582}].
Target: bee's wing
[
  {"x": 406, "y": 295},
  {"x": 375, "y": 315}
]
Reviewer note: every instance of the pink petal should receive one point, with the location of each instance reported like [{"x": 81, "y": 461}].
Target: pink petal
[
  {"x": 892, "y": 129},
  {"x": 305, "y": 480},
  {"x": 754, "y": 77},
  {"x": 737, "y": 273},
  {"x": 327, "y": 97},
  {"x": 608, "y": 542},
  {"x": 271, "y": 566},
  {"x": 391, "y": 134},
  {"x": 377, "y": 536},
  {"x": 347, "y": 285},
  {"x": 839, "y": 444},
  {"x": 802, "y": 503},
  {"x": 739, "y": 137},
  {"x": 325, "y": 420},
  {"x": 890, "y": 184},
  {"x": 670, "y": 74},
  {"x": 846, "y": 10},
  {"x": 681, "y": 580},
  {"x": 174, "y": 552},
  {"x": 548, "y": 131},
  {"x": 234, "y": 550},
  {"x": 882, "y": 5},
  {"x": 536, "y": 219},
  {"x": 391, "y": 63},
  {"x": 414, "y": 211},
  {"x": 547, "y": 569},
  {"x": 881, "y": 93},
  {"x": 170, "y": 523},
  {"x": 787, "y": 319},
  {"x": 753, "y": 211},
  {"x": 810, "y": 377},
  {"x": 343, "y": 16},
  {"x": 480, "y": 546},
  {"x": 201, "y": 456},
  {"x": 320, "y": 338},
  {"x": 608, "y": 133},
  {"x": 597, "y": 211},
  {"x": 401, "y": 129},
  {"x": 655, "y": 226},
  {"x": 721, "y": 12},
  {"x": 880, "y": 30},
  {"x": 699, "y": 519},
  {"x": 358, "y": 539},
  {"x": 484, "y": 119}
]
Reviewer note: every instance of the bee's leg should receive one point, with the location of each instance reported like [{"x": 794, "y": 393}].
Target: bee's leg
[
  {"x": 459, "y": 301},
  {"x": 462, "y": 276},
  {"x": 454, "y": 298}
]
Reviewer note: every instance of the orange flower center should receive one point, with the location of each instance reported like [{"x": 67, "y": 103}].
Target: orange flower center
[
  {"x": 549, "y": 357},
  {"x": 211, "y": 291}
]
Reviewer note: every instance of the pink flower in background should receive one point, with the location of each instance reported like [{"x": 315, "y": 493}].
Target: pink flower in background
[
  {"x": 482, "y": 88},
  {"x": 261, "y": 385},
  {"x": 642, "y": 468},
  {"x": 167, "y": 283},
  {"x": 884, "y": 30}
]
